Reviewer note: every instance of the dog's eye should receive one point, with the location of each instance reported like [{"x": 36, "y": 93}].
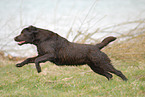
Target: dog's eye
[{"x": 27, "y": 29}]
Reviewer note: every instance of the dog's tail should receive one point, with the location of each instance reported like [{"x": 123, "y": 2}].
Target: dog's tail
[{"x": 106, "y": 41}]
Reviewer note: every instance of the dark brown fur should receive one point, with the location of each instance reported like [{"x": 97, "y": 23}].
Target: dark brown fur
[{"x": 54, "y": 48}]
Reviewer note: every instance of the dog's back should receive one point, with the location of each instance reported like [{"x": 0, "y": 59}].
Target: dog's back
[{"x": 74, "y": 54}]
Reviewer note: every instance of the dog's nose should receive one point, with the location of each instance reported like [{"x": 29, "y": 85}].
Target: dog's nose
[{"x": 15, "y": 38}]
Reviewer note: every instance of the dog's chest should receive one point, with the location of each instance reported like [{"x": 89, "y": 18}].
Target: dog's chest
[
  {"x": 40, "y": 50},
  {"x": 45, "y": 49}
]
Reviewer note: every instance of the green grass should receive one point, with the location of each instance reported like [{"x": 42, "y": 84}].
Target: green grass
[{"x": 65, "y": 81}]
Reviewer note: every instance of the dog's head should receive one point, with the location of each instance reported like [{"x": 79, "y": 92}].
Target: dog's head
[{"x": 27, "y": 35}]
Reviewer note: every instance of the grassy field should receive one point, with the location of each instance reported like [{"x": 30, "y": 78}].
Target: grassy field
[
  {"x": 65, "y": 81},
  {"x": 81, "y": 81}
]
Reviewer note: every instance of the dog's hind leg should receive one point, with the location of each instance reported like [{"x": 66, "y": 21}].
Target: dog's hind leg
[
  {"x": 111, "y": 69},
  {"x": 119, "y": 73},
  {"x": 101, "y": 71}
]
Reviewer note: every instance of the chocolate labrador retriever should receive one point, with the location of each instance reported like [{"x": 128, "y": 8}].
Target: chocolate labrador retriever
[{"x": 56, "y": 49}]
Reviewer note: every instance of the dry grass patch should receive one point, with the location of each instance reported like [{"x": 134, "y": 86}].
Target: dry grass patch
[{"x": 131, "y": 50}]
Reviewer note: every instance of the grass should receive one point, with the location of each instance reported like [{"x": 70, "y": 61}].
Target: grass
[{"x": 65, "y": 81}]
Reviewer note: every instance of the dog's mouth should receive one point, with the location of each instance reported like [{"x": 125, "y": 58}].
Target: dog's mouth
[{"x": 21, "y": 42}]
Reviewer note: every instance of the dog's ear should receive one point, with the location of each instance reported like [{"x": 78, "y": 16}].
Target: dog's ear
[{"x": 32, "y": 29}]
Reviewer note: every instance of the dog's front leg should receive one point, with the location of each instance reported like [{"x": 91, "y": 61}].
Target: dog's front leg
[
  {"x": 44, "y": 58},
  {"x": 29, "y": 60}
]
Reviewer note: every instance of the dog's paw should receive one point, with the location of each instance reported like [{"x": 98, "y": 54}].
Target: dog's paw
[
  {"x": 38, "y": 71},
  {"x": 38, "y": 68},
  {"x": 19, "y": 65}
]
